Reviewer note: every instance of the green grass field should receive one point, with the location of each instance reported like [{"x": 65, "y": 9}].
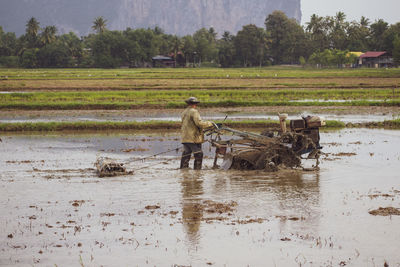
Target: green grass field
[
  {"x": 187, "y": 73},
  {"x": 149, "y": 88},
  {"x": 209, "y": 98}
]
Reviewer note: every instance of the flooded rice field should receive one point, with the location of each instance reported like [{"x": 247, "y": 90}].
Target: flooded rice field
[{"x": 55, "y": 211}]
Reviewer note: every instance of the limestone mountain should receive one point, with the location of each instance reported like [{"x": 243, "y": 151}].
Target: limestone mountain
[{"x": 174, "y": 16}]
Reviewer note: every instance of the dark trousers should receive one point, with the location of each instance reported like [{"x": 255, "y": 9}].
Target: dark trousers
[{"x": 188, "y": 149}]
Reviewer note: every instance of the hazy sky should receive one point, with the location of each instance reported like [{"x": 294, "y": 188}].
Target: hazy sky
[{"x": 388, "y": 10}]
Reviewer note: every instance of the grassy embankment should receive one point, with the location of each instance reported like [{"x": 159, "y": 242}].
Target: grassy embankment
[
  {"x": 166, "y": 125},
  {"x": 78, "y": 89},
  {"x": 152, "y": 125}
]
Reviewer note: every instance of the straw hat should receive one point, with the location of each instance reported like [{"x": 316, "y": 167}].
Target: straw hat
[{"x": 192, "y": 100}]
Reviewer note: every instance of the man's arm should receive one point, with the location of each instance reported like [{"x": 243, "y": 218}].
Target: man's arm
[{"x": 199, "y": 122}]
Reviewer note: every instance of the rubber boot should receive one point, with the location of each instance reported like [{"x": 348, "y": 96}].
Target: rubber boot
[
  {"x": 185, "y": 162},
  {"x": 185, "y": 159},
  {"x": 198, "y": 160}
]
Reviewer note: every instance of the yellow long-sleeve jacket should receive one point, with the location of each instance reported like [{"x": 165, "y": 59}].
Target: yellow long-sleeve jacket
[{"x": 193, "y": 126}]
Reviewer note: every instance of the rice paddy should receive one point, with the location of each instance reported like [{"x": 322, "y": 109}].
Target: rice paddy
[
  {"x": 187, "y": 73},
  {"x": 134, "y": 89}
]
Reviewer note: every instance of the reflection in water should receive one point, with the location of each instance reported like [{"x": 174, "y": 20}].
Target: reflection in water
[
  {"x": 285, "y": 194},
  {"x": 284, "y": 197},
  {"x": 298, "y": 197},
  {"x": 192, "y": 210}
]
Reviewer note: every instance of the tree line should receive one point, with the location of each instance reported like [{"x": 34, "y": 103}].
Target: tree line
[{"x": 325, "y": 41}]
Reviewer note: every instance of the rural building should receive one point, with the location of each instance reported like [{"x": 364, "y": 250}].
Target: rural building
[
  {"x": 162, "y": 61},
  {"x": 376, "y": 59},
  {"x": 357, "y": 63}
]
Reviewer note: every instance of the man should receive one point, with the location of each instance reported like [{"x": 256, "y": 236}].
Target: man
[{"x": 192, "y": 134}]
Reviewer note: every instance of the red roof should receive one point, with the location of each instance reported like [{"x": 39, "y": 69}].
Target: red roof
[{"x": 373, "y": 54}]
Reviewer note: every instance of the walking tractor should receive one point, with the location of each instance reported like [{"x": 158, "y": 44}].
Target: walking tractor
[{"x": 269, "y": 150}]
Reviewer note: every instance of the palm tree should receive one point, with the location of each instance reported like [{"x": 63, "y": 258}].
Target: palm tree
[
  {"x": 212, "y": 34},
  {"x": 315, "y": 24},
  {"x": 227, "y": 37},
  {"x": 176, "y": 46},
  {"x": 364, "y": 21},
  {"x": 317, "y": 27},
  {"x": 32, "y": 29},
  {"x": 158, "y": 31},
  {"x": 99, "y": 25},
  {"x": 338, "y": 35},
  {"x": 49, "y": 35},
  {"x": 340, "y": 17}
]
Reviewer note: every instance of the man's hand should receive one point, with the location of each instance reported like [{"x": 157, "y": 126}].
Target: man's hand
[{"x": 216, "y": 125}]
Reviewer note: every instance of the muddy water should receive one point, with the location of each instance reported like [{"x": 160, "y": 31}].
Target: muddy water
[
  {"x": 354, "y": 118},
  {"x": 345, "y": 114},
  {"x": 55, "y": 210}
]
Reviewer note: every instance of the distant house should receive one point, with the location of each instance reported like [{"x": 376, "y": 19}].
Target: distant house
[
  {"x": 357, "y": 56},
  {"x": 376, "y": 59},
  {"x": 162, "y": 61}
]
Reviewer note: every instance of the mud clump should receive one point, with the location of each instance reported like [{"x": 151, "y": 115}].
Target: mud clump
[
  {"x": 345, "y": 154},
  {"x": 107, "y": 214},
  {"x": 213, "y": 207},
  {"x": 248, "y": 221},
  {"x": 294, "y": 218},
  {"x": 152, "y": 207},
  {"x": 135, "y": 150},
  {"x": 77, "y": 203},
  {"x": 372, "y": 196},
  {"x": 388, "y": 211},
  {"x": 109, "y": 168}
]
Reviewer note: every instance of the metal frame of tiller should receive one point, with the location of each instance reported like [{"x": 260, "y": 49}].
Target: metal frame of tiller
[{"x": 292, "y": 144}]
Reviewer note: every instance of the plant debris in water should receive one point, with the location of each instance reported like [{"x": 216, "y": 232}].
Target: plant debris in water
[
  {"x": 215, "y": 207},
  {"x": 385, "y": 211},
  {"x": 108, "y": 168}
]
